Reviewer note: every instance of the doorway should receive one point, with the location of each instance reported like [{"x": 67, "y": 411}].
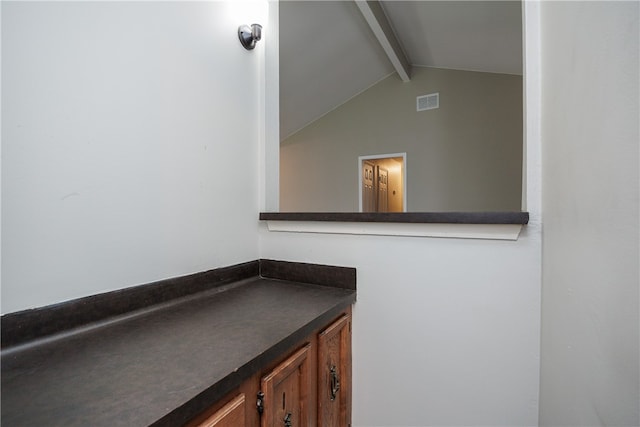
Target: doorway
[{"x": 382, "y": 183}]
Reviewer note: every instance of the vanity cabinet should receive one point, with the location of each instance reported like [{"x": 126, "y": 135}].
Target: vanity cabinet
[
  {"x": 309, "y": 386},
  {"x": 224, "y": 335}
]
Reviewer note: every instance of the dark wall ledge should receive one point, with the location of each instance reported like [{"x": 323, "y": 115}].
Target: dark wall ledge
[{"x": 404, "y": 217}]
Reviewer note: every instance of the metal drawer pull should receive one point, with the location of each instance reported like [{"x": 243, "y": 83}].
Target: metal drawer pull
[
  {"x": 335, "y": 382},
  {"x": 287, "y": 420},
  {"x": 260, "y": 402}
]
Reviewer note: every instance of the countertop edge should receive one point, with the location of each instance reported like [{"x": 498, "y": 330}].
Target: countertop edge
[{"x": 506, "y": 217}]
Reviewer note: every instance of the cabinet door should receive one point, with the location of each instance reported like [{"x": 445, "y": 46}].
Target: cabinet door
[
  {"x": 334, "y": 374},
  {"x": 230, "y": 415},
  {"x": 286, "y": 392}
]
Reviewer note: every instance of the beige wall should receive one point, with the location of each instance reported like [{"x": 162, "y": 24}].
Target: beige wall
[{"x": 466, "y": 155}]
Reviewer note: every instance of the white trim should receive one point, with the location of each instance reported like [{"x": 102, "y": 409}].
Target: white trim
[
  {"x": 459, "y": 231},
  {"x": 532, "y": 112},
  {"x": 269, "y": 150}
]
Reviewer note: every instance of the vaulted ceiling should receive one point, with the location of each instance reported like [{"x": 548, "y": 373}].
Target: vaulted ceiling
[{"x": 329, "y": 53}]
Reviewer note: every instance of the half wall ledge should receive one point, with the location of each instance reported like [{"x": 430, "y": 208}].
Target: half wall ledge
[{"x": 463, "y": 225}]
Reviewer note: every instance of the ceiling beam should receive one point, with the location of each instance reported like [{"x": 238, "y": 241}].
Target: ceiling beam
[{"x": 382, "y": 29}]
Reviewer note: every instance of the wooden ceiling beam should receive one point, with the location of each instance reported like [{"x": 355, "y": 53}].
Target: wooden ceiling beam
[{"x": 382, "y": 29}]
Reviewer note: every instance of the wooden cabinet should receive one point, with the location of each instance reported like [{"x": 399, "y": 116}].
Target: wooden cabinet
[
  {"x": 310, "y": 386},
  {"x": 287, "y": 392},
  {"x": 230, "y": 415},
  {"x": 334, "y": 374}
]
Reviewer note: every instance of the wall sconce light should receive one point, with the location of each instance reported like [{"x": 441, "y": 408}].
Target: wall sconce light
[{"x": 249, "y": 35}]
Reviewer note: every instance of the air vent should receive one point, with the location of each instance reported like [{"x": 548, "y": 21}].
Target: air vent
[{"x": 428, "y": 102}]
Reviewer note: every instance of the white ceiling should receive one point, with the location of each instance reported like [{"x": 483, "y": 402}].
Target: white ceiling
[{"x": 328, "y": 53}]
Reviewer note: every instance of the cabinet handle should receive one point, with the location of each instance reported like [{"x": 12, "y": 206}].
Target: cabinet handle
[
  {"x": 287, "y": 420},
  {"x": 260, "y": 402},
  {"x": 335, "y": 382}
]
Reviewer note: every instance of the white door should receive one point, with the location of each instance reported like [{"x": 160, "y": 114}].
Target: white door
[{"x": 383, "y": 194}]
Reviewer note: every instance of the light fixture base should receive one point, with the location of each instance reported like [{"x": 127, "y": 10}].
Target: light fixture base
[{"x": 249, "y": 35}]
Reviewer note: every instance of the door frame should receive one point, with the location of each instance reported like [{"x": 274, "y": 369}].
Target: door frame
[{"x": 378, "y": 157}]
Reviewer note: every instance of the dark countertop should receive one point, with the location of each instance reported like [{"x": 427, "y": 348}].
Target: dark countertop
[
  {"x": 403, "y": 217},
  {"x": 165, "y": 364}
]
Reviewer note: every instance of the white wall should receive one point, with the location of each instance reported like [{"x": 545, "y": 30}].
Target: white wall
[
  {"x": 129, "y": 145},
  {"x": 591, "y": 257},
  {"x": 446, "y": 331}
]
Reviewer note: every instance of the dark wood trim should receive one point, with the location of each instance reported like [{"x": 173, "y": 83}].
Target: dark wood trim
[
  {"x": 23, "y": 326},
  {"x": 403, "y": 217},
  {"x": 317, "y": 274}
]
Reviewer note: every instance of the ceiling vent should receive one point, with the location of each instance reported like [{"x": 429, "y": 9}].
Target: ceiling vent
[{"x": 428, "y": 102}]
